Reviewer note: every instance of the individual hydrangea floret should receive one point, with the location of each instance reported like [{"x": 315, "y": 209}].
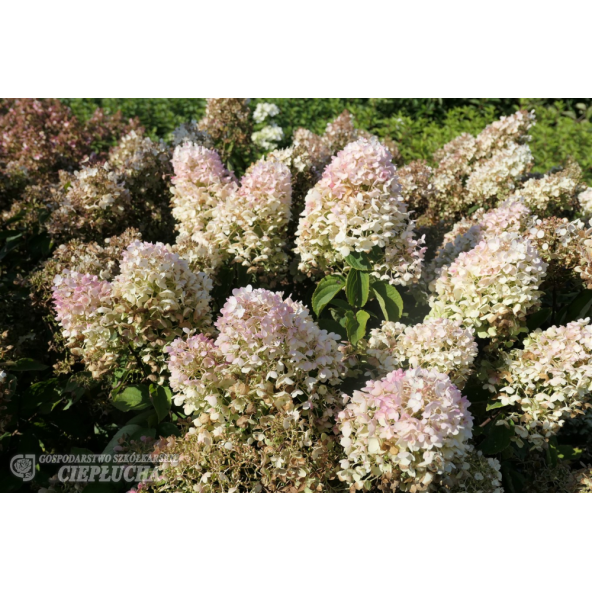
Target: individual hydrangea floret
[
  {"x": 548, "y": 381},
  {"x": 357, "y": 207},
  {"x": 407, "y": 427},
  {"x": 491, "y": 288},
  {"x": 441, "y": 344}
]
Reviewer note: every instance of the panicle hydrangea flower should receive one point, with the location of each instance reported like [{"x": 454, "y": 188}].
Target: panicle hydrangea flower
[
  {"x": 511, "y": 216},
  {"x": 265, "y": 110},
  {"x": 496, "y": 178},
  {"x": 441, "y": 344},
  {"x": 411, "y": 424},
  {"x": 341, "y": 131},
  {"x": 512, "y": 129},
  {"x": 548, "y": 381},
  {"x": 584, "y": 267},
  {"x": 559, "y": 243},
  {"x": 554, "y": 193},
  {"x": 491, "y": 288},
  {"x": 354, "y": 208},
  {"x": 201, "y": 182},
  {"x": 154, "y": 297},
  {"x": 474, "y": 474},
  {"x": 268, "y": 137},
  {"x": 585, "y": 201},
  {"x": 255, "y": 218},
  {"x": 95, "y": 198},
  {"x": 78, "y": 299},
  {"x": 269, "y": 355}
]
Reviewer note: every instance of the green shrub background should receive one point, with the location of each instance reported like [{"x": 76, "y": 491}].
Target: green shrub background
[{"x": 420, "y": 126}]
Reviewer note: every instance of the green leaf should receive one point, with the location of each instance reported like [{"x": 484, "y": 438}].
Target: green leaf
[
  {"x": 495, "y": 405},
  {"x": 133, "y": 398},
  {"x": 389, "y": 299},
  {"x": 359, "y": 261},
  {"x": 167, "y": 428},
  {"x": 537, "y": 319},
  {"x": 332, "y": 327},
  {"x": 26, "y": 365},
  {"x": 497, "y": 440},
  {"x": 326, "y": 289},
  {"x": 356, "y": 325},
  {"x": 357, "y": 287},
  {"x": 161, "y": 400},
  {"x": 339, "y": 303}
]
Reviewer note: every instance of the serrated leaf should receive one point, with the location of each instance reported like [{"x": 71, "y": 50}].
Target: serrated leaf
[
  {"x": 356, "y": 325},
  {"x": 359, "y": 261},
  {"x": 389, "y": 299},
  {"x": 325, "y": 291},
  {"x": 133, "y": 398},
  {"x": 357, "y": 287}
]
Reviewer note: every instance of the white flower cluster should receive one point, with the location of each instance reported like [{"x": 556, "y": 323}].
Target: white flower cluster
[
  {"x": 255, "y": 218},
  {"x": 219, "y": 220},
  {"x": 441, "y": 344},
  {"x": 497, "y": 177},
  {"x": 491, "y": 288},
  {"x": 265, "y": 110},
  {"x": 269, "y": 355},
  {"x": 511, "y": 216},
  {"x": 411, "y": 424},
  {"x": 268, "y": 137},
  {"x": 201, "y": 182},
  {"x": 357, "y": 207},
  {"x": 549, "y": 380},
  {"x": 154, "y": 297},
  {"x": 553, "y": 193}
]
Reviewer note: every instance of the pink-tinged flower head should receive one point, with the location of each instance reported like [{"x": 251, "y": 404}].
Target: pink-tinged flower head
[
  {"x": 415, "y": 422},
  {"x": 357, "y": 207},
  {"x": 199, "y": 165},
  {"x": 78, "y": 298}
]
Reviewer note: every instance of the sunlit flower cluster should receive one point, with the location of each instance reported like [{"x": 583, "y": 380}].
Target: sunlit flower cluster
[
  {"x": 254, "y": 219},
  {"x": 548, "y": 381},
  {"x": 496, "y": 178},
  {"x": 265, "y": 110},
  {"x": 511, "y": 216},
  {"x": 491, "y": 288},
  {"x": 441, "y": 344},
  {"x": 269, "y": 356},
  {"x": 554, "y": 193},
  {"x": 149, "y": 303},
  {"x": 407, "y": 427},
  {"x": 485, "y": 169},
  {"x": 357, "y": 207}
]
